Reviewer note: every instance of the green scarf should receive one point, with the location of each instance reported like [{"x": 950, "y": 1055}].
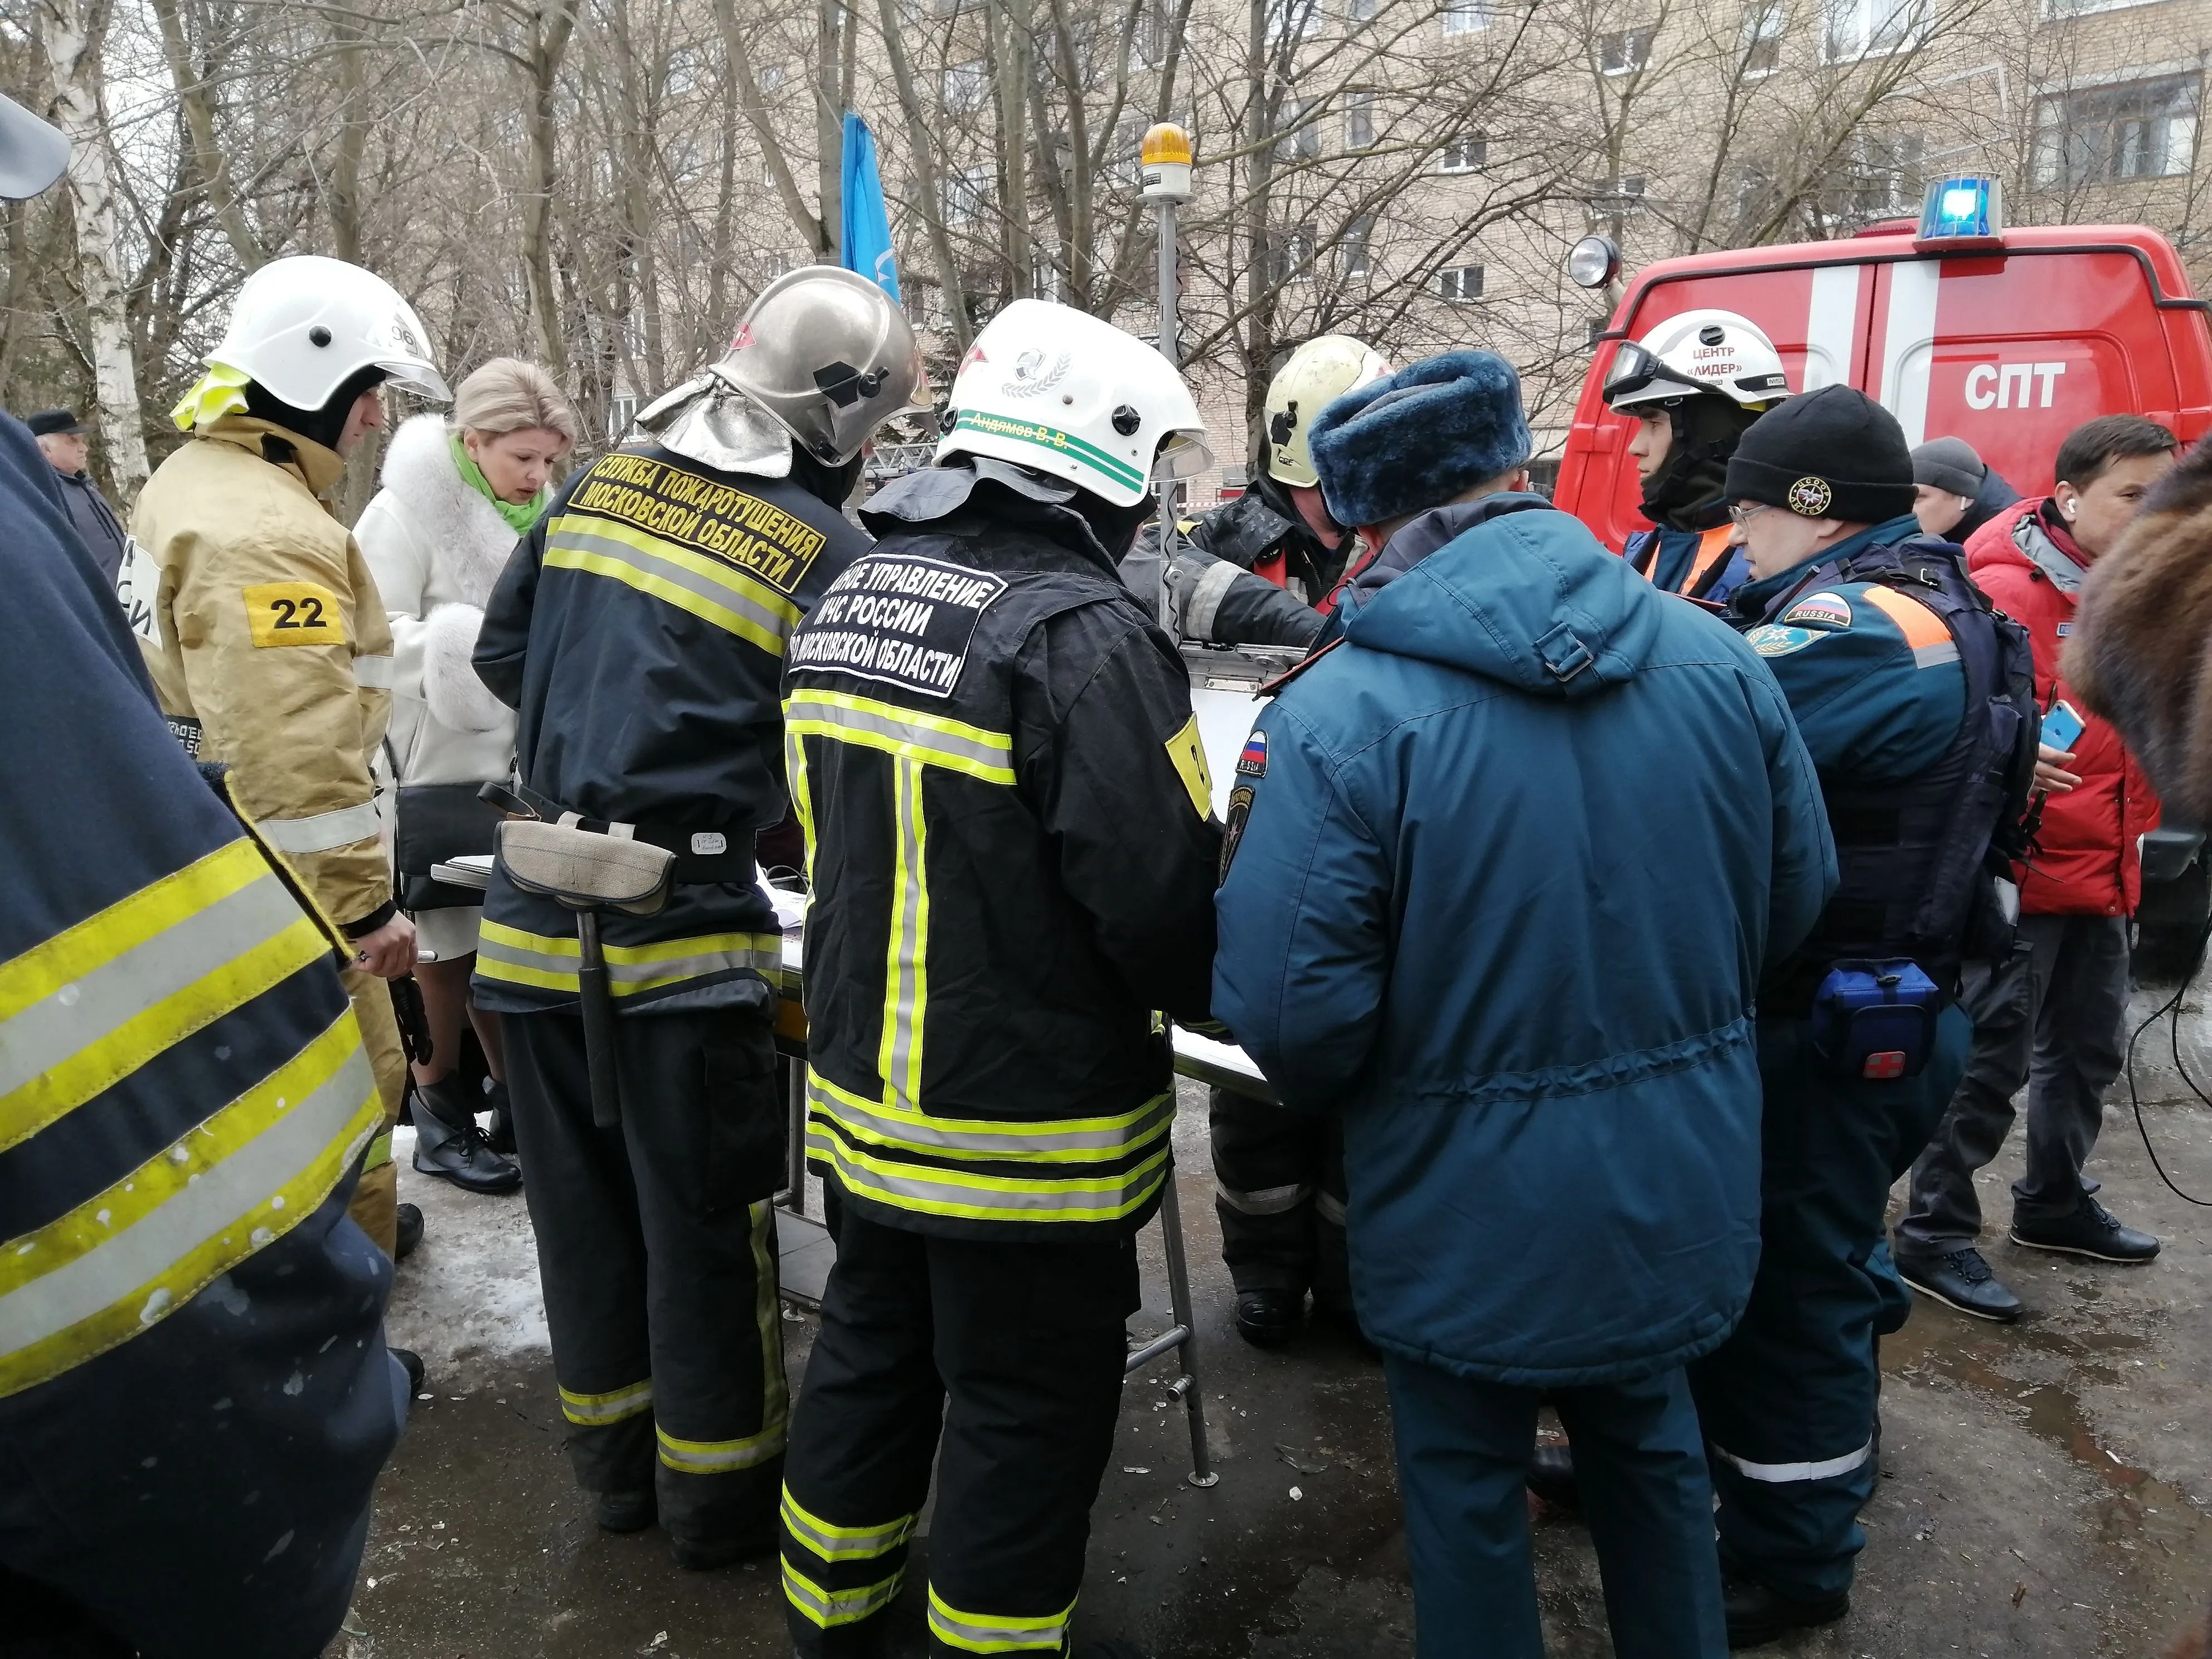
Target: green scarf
[{"x": 519, "y": 516}]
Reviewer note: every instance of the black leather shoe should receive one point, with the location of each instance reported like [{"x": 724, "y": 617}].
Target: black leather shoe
[
  {"x": 1960, "y": 1278},
  {"x": 501, "y": 1136},
  {"x": 2092, "y": 1230},
  {"x": 624, "y": 1511},
  {"x": 411, "y": 1231},
  {"x": 412, "y": 1363},
  {"x": 448, "y": 1144},
  {"x": 1757, "y": 1614},
  {"x": 1552, "y": 1477},
  {"x": 1267, "y": 1319}
]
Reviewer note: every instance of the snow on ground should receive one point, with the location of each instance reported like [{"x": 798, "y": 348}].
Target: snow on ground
[{"x": 467, "y": 1299}]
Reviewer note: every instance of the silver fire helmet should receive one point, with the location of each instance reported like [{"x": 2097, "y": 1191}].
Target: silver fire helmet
[{"x": 828, "y": 354}]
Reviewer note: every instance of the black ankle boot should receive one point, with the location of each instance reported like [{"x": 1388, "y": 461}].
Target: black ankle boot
[
  {"x": 501, "y": 1136},
  {"x": 448, "y": 1144}
]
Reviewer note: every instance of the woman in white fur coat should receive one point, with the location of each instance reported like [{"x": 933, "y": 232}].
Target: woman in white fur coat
[{"x": 457, "y": 497}]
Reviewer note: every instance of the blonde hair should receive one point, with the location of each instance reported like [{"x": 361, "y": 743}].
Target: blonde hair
[{"x": 509, "y": 395}]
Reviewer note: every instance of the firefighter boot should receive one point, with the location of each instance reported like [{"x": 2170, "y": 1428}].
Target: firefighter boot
[
  {"x": 448, "y": 1144},
  {"x": 1269, "y": 1318}
]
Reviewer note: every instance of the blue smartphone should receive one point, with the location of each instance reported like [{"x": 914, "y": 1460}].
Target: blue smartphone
[{"x": 2061, "y": 727}]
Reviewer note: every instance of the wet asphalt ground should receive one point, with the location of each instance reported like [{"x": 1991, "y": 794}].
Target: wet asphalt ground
[{"x": 2046, "y": 1487}]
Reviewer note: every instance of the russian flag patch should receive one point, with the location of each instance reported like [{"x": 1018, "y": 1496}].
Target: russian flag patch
[{"x": 1252, "y": 762}]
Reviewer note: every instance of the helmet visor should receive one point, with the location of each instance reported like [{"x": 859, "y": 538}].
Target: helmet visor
[
  {"x": 1182, "y": 455},
  {"x": 1639, "y": 376}
]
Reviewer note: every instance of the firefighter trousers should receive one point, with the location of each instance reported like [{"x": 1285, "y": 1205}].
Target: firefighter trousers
[
  {"x": 376, "y": 1207},
  {"x": 1278, "y": 1190},
  {"x": 656, "y": 1245},
  {"x": 1012, "y": 1353},
  {"x": 1787, "y": 1403}
]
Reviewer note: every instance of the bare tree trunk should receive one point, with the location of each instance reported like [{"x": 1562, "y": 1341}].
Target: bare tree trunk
[
  {"x": 831, "y": 26},
  {"x": 551, "y": 31},
  {"x": 353, "y": 140},
  {"x": 808, "y": 225},
  {"x": 1014, "y": 48},
  {"x": 73, "y": 30},
  {"x": 1259, "y": 247},
  {"x": 928, "y": 180},
  {"x": 208, "y": 158}
]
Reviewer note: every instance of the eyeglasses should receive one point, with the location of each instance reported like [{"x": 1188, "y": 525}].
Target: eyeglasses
[{"x": 1744, "y": 516}]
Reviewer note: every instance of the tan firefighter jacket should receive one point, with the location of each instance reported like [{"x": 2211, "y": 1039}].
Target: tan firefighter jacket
[{"x": 269, "y": 646}]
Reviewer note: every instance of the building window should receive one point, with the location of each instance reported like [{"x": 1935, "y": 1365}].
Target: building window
[
  {"x": 1889, "y": 165},
  {"x": 1852, "y": 29},
  {"x": 1289, "y": 258},
  {"x": 1763, "y": 23},
  {"x": 1359, "y": 120},
  {"x": 1355, "y": 251},
  {"x": 1359, "y": 11},
  {"x": 1464, "y": 154},
  {"x": 1466, "y": 16},
  {"x": 965, "y": 86},
  {"x": 1625, "y": 51},
  {"x": 1300, "y": 130},
  {"x": 2102, "y": 134},
  {"x": 1460, "y": 284},
  {"x": 1612, "y": 197},
  {"x": 966, "y": 191},
  {"x": 1048, "y": 280},
  {"x": 621, "y": 411},
  {"x": 1292, "y": 20}
]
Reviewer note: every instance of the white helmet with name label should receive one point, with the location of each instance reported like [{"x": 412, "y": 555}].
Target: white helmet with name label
[
  {"x": 1057, "y": 391},
  {"x": 304, "y": 326},
  {"x": 1708, "y": 353}
]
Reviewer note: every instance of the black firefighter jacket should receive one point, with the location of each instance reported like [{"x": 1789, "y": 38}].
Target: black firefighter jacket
[
  {"x": 1010, "y": 833},
  {"x": 639, "y": 630},
  {"x": 1218, "y": 598}
]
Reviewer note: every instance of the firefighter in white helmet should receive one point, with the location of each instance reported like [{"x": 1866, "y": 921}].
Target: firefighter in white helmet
[
  {"x": 1693, "y": 386},
  {"x": 262, "y": 624},
  {"x": 1264, "y": 568},
  {"x": 1013, "y": 848}
]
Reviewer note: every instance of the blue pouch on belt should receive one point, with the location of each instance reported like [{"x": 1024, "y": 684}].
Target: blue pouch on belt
[{"x": 1875, "y": 1019}]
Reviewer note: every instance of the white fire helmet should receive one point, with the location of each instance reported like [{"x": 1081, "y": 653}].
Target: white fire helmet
[
  {"x": 1714, "y": 353},
  {"x": 1318, "y": 372},
  {"x": 1056, "y": 390},
  {"x": 304, "y": 326}
]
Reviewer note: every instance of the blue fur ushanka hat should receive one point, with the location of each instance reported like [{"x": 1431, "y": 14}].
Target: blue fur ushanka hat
[{"x": 1414, "y": 440}]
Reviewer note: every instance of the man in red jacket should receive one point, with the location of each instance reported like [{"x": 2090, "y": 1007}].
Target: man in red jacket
[{"x": 2049, "y": 1017}]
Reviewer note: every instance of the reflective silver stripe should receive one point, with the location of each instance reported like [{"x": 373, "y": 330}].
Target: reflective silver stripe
[
  {"x": 624, "y": 976},
  {"x": 1205, "y": 598},
  {"x": 990, "y": 750},
  {"x": 829, "y": 1608},
  {"x": 727, "y": 597},
  {"x": 1268, "y": 1201},
  {"x": 589, "y": 1409},
  {"x": 719, "y": 1457},
  {"x": 73, "y": 1017},
  {"x": 1929, "y": 656},
  {"x": 1039, "y": 1197},
  {"x": 899, "y": 1061},
  {"x": 322, "y": 832},
  {"x": 1328, "y": 1208},
  {"x": 844, "y": 1543},
  {"x": 372, "y": 673},
  {"x": 983, "y": 1632},
  {"x": 230, "y": 1189},
  {"x": 1782, "y": 1474},
  {"x": 975, "y": 1137}
]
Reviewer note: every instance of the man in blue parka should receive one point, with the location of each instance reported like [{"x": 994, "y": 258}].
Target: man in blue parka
[{"x": 1507, "y": 865}]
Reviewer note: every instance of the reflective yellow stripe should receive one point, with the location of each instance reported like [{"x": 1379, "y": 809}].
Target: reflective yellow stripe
[
  {"x": 595, "y": 1410},
  {"x": 997, "y": 1632},
  {"x": 92, "y": 1005},
  {"x": 747, "y": 1451},
  {"x": 906, "y": 971},
  {"x": 823, "y": 1608},
  {"x": 818, "y": 1537},
  {"x": 379, "y": 1154},
  {"x": 127, "y": 1257},
  {"x": 909, "y": 733},
  {"x": 707, "y": 587},
  {"x": 1056, "y": 1140},
  {"x": 802, "y": 793},
  {"x": 929, "y": 1189},
  {"x": 549, "y": 962}
]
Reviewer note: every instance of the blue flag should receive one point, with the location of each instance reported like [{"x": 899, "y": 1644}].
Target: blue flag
[{"x": 865, "y": 245}]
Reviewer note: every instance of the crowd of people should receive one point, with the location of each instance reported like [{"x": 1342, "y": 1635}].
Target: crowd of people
[{"x": 1614, "y": 931}]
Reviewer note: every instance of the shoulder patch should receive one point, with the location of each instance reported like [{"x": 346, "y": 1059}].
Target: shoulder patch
[
  {"x": 1240, "y": 810},
  {"x": 672, "y": 504},
  {"x": 1252, "y": 759},
  {"x": 1821, "y": 611},
  {"x": 294, "y": 613},
  {"x": 1770, "y": 640},
  {"x": 899, "y": 618},
  {"x": 1187, "y": 753}
]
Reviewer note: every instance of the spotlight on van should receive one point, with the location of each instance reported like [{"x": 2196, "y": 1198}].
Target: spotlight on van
[
  {"x": 1962, "y": 212},
  {"x": 1594, "y": 262}
]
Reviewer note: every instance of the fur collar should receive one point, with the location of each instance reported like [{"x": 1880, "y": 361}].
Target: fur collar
[{"x": 462, "y": 532}]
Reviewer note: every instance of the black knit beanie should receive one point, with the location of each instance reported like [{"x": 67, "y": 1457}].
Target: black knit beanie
[
  {"x": 1833, "y": 453},
  {"x": 321, "y": 426}
]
